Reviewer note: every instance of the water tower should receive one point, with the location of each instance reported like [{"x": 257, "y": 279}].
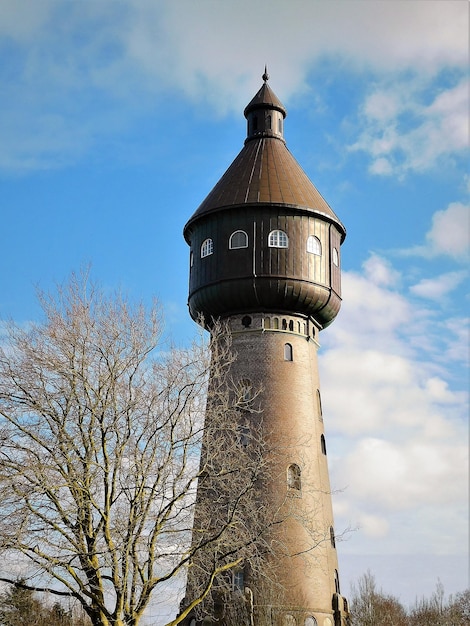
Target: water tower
[{"x": 265, "y": 256}]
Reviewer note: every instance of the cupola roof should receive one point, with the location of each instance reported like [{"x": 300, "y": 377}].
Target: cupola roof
[
  {"x": 265, "y": 98},
  {"x": 266, "y": 173}
]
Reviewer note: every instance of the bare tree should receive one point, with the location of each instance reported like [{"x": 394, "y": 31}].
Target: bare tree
[
  {"x": 371, "y": 607},
  {"x": 101, "y": 427}
]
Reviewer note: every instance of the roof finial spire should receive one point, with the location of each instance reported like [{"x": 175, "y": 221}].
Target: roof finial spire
[{"x": 265, "y": 76}]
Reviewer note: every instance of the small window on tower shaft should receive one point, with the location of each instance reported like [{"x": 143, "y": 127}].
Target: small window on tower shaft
[
  {"x": 337, "y": 582},
  {"x": 278, "y": 239},
  {"x": 238, "y": 580},
  {"x": 207, "y": 248},
  {"x": 245, "y": 392},
  {"x": 332, "y": 537},
  {"x": 320, "y": 412},
  {"x": 293, "y": 477},
  {"x": 323, "y": 444},
  {"x": 288, "y": 352},
  {"x": 246, "y": 321}
]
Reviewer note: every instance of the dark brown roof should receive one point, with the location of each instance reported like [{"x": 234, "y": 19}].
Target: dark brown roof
[{"x": 266, "y": 172}]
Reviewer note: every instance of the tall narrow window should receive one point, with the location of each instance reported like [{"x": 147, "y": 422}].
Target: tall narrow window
[
  {"x": 245, "y": 392},
  {"x": 337, "y": 582},
  {"x": 238, "y": 580},
  {"x": 207, "y": 248},
  {"x": 279, "y": 125},
  {"x": 319, "y": 407},
  {"x": 314, "y": 245},
  {"x": 276, "y": 323},
  {"x": 244, "y": 435},
  {"x": 288, "y": 352},
  {"x": 238, "y": 239},
  {"x": 323, "y": 444},
  {"x": 293, "y": 477},
  {"x": 268, "y": 122},
  {"x": 278, "y": 239},
  {"x": 332, "y": 537},
  {"x": 335, "y": 257}
]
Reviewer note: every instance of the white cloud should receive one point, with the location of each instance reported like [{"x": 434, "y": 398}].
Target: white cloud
[
  {"x": 373, "y": 525},
  {"x": 438, "y": 287},
  {"x": 402, "y": 133},
  {"x": 380, "y": 271},
  {"x": 449, "y": 234}
]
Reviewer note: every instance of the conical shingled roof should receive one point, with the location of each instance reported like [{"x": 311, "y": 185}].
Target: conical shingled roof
[{"x": 265, "y": 172}]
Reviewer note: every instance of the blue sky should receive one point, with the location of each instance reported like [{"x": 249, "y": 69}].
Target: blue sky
[{"x": 118, "y": 117}]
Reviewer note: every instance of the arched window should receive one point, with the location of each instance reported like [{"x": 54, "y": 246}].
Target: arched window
[
  {"x": 278, "y": 239},
  {"x": 238, "y": 239},
  {"x": 332, "y": 537},
  {"x": 288, "y": 352},
  {"x": 293, "y": 477},
  {"x": 207, "y": 248},
  {"x": 246, "y": 321},
  {"x": 268, "y": 122},
  {"x": 291, "y": 325},
  {"x": 314, "y": 245},
  {"x": 323, "y": 444},
  {"x": 267, "y": 323},
  {"x": 284, "y": 324},
  {"x": 279, "y": 125},
  {"x": 276, "y": 323},
  {"x": 310, "y": 621},
  {"x": 335, "y": 257}
]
